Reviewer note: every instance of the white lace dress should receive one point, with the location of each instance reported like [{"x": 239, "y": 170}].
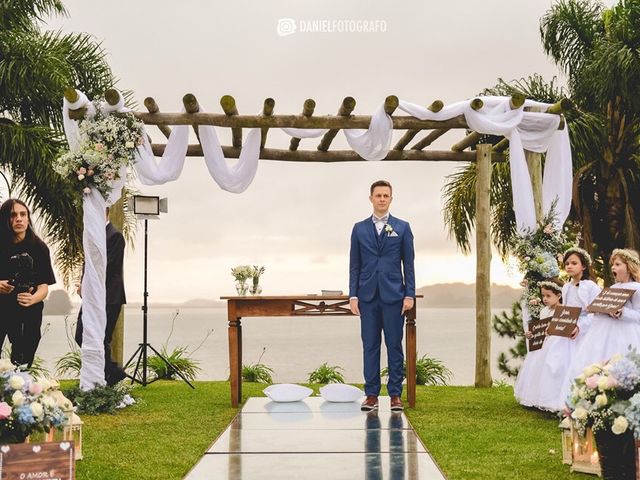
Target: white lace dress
[
  {"x": 527, "y": 387},
  {"x": 608, "y": 336},
  {"x": 558, "y": 352}
]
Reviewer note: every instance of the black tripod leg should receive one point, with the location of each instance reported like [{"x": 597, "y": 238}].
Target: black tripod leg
[
  {"x": 170, "y": 365},
  {"x": 139, "y": 352}
]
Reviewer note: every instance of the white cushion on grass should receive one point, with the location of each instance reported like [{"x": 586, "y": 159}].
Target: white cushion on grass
[
  {"x": 287, "y": 392},
  {"x": 339, "y": 392}
]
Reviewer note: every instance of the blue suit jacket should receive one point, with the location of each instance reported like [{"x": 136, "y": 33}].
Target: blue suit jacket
[{"x": 377, "y": 262}]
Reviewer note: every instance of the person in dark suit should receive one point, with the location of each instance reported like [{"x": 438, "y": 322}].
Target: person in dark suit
[
  {"x": 381, "y": 288},
  {"x": 116, "y": 298}
]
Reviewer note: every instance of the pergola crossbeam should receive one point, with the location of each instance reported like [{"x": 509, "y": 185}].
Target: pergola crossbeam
[{"x": 338, "y": 155}]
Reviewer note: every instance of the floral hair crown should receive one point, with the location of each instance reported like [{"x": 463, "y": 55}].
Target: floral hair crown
[
  {"x": 630, "y": 256},
  {"x": 580, "y": 251},
  {"x": 550, "y": 286}
]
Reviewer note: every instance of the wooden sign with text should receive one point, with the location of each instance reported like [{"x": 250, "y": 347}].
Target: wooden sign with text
[
  {"x": 564, "y": 321},
  {"x": 538, "y": 329},
  {"x": 37, "y": 461},
  {"x": 610, "y": 300}
]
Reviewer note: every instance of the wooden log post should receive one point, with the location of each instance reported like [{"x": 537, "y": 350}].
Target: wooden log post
[
  {"x": 348, "y": 104},
  {"x": 435, "y": 106},
  {"x": 152, "y": 107},
  {"x": 534, "y": 164},
  {"x": 267, "y": 111},
  {"x": 307, "y": 111},
  {"x": 192, "y": 106},
  {"x": 390, "y": 104},
  {"x": 228, "y": 104},
  {"x": 72, "y": 96},
  {"x": 483, "y": 266},
  {"x": 112, "y": 96}
]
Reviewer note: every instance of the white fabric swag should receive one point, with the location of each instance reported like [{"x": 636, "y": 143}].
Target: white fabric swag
[{"x": 537, "y": 132}]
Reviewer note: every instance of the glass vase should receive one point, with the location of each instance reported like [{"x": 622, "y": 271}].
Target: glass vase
[
  {"x": 242, "y": 288},
  {"x": 255, "y": 289}
]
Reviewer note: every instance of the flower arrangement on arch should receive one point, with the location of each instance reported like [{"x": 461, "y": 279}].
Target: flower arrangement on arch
[
  {"x": 537, "y": 254},
  {"x": 606, "y": 396},
  {"x": 108, "y": 142},
  {"x": 28, "y": 405}
]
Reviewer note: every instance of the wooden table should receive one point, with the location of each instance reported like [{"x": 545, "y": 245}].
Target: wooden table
[{"x": 308, "y": 306}]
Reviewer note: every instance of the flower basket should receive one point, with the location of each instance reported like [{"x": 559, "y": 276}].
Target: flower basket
[{"x": 617, "y": 455}]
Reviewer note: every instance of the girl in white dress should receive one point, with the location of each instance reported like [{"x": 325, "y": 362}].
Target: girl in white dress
[
  {"x": 559, "y": 351},
  {"x": 527, "y": 387},
  {"x": 615, "y": 332}
]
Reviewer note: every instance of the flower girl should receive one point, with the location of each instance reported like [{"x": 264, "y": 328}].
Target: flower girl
[
  {"x": 616, "y": 332},
  {"x": 527, "y": 385},
  {"x": 559, "y": 351}
]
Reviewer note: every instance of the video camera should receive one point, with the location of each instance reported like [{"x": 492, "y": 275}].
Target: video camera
[{"x": 22, "y": 278}]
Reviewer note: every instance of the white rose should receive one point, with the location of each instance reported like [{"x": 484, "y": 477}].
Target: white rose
[
  {"x": 590, "y": 370},
  {"x": 601, "y": 400},
  {"x": 580, "y": 378},
  {"x": 16, "y": 382},
  {"x": 129, "y": 145},
  {"x": 45, "y": 384},
  {"x": 615, "y": 358},
  {"x": 579, "y": 414},
  {"x": 566, "y": 423},
  {"x": 37, "y": 410},
  {"x": 48, "y": 402},
  {"x": 603, "y": 384},
  {"x": 17, "y": 398},
  {"x": 80, "y": 177},
  {"x": 6, "y": 365},
  {"x": 620, "y": 425},
  {"x": 53, "y": 384}
]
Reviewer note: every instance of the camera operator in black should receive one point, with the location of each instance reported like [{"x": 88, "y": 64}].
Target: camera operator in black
[{"x": 22, "y": 291}]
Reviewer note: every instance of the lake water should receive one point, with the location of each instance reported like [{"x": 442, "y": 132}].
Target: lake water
[{"x": 294, "y": 346}]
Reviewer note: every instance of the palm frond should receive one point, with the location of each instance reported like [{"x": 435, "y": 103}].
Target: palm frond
[{"x": 569, "y": 30}]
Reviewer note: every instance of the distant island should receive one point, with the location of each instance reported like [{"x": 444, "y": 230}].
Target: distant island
[{"x": 439, "y": 295}]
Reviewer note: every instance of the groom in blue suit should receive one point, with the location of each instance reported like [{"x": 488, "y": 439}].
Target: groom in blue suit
[{"x": 381, "y": 255}]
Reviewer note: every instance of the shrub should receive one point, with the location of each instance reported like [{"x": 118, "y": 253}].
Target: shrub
[
  {"x": 326, "y": 374},
  {"x": 429, "y": 371}
]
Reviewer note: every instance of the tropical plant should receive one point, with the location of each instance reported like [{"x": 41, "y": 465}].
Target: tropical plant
[
  {"x": 326, "y": 374},
  {"x": 35, "y": 68},
  {"x": 429, "y": 371},
  {"x": 597, "y": 48},
  {"x": 71, "y": 362},
  {"x": 257, "y": 372},
  {"x": 180, "y": 359}
]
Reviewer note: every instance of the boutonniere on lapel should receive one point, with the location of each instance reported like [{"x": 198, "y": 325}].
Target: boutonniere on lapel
[{"x": 390, "y": 231}]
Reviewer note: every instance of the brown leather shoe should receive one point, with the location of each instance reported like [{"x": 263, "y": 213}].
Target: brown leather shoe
[
  {"x": 396, "y": 404},
  {"x": 370, "y": 403}
]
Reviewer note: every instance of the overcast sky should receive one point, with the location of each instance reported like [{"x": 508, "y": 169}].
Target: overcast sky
[{"x": 296, "y": 219}]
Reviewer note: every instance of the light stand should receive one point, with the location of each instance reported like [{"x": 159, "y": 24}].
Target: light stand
[{"x": 148, "y": 207}]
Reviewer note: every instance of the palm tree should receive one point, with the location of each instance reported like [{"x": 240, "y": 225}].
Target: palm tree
[
  {"x": 35, "y": 69},
  {"x": 598, "y": 50}
]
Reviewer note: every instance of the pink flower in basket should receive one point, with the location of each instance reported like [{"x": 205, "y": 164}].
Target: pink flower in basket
[
  {"x": 35, "y": 388},
  {"x": 592, "y": 381},
  {"x": 5, "y": 410}
]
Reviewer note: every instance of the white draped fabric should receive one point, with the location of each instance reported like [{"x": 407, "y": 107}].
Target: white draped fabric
[
  {"x": 94, "y": 319},
  {"x": 537, "y": 132}
]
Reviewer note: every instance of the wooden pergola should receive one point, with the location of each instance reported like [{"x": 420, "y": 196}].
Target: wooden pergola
[{"x": 472, "y": 147}]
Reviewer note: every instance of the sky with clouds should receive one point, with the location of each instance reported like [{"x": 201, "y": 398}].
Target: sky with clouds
[{"x": 296, "y": 219}]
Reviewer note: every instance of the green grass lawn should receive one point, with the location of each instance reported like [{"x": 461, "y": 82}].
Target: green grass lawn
[{"x": 471, "y": 433}]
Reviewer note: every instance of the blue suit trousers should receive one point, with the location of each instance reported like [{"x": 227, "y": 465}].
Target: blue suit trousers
[{"x": 377, "y": 317}]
